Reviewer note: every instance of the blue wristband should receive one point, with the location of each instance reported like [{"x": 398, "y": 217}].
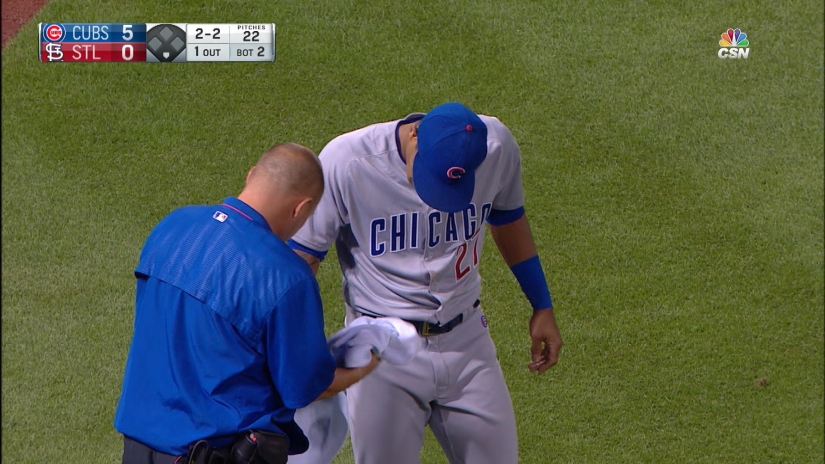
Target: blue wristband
[{"x": 530, "y": 277}]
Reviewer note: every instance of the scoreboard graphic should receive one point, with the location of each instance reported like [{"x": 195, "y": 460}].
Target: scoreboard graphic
[{"x": 156, "y": 42}]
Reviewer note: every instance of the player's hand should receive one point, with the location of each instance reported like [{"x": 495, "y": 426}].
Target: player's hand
[{"x": 546, "y": 341}]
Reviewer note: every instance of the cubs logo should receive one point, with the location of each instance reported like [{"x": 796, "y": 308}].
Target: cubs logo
[
  {"x": 54, "y": 32},
  {"x": 455, "y": 172}
]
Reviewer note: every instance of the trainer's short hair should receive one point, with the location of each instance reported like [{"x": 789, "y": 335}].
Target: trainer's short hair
[{"x": 294, "y": 168}]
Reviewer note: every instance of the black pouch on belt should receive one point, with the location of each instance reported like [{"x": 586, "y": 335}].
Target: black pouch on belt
[
  {"x": 260, "y": 447},
  {"x": 201, "y": 453}
]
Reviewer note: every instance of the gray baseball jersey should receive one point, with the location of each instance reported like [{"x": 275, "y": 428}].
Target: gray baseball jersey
[{"x": 398, "y": 256}]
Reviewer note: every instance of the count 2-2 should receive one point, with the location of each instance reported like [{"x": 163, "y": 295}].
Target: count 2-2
[{"x": 199, "y": 33}]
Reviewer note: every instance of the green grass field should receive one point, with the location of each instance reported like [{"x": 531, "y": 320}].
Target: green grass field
[{"x": 677, "y": 200}]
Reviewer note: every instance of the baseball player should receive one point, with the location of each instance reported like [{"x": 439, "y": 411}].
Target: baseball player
[{"x": 405, "y": 205}]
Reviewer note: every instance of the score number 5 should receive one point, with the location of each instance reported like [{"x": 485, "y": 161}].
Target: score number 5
[{"x": 127, "y": 51}]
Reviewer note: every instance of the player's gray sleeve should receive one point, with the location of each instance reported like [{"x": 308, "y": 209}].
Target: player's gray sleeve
[
  {"x": 508, "y": 164},
  {"x": 321, "y": 230}
]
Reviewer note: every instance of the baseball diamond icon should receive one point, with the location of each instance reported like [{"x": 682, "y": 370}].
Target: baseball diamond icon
[{"x": 165, "y": 42}]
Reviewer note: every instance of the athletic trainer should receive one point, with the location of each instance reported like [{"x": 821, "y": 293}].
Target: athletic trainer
[
  {"x": 229, "y": 333},
  {"x": 405, "y": 205}
]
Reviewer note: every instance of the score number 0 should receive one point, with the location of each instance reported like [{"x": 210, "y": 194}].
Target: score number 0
[{"x": 127, "y": 49}]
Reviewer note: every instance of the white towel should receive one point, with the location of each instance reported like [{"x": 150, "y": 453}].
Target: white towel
[
  {"x": 392, "y": 339},
  {"x": 325, "y": 421}
]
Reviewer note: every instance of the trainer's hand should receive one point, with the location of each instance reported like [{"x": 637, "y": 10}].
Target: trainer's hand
[
  {"x": 371, "y": 366},
  {"x": 345, "y": 377},
  {"x": 546, "y": 341}
]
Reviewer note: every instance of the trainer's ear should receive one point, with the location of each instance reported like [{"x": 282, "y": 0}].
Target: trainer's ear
[
  {"x": 249, "y": 174},
  {"x": 304, "y": 206}
]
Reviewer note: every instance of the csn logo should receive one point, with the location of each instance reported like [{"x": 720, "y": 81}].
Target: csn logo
[{"x": 734, "y": 44}]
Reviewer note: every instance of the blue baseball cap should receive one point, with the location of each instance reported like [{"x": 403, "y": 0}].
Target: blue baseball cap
[{"x": 452, "y": 143}]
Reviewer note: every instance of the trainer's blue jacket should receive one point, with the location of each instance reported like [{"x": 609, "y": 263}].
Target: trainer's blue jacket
[{"x": 228, "y": 335}]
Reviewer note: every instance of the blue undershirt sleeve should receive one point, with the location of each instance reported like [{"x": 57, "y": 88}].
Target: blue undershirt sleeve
[
  {"x": 499, "y": 217},
  {"x": 297, "y": 246}
]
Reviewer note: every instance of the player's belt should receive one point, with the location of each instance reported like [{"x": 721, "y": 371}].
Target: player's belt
[{"x": 428, "y": 329}]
